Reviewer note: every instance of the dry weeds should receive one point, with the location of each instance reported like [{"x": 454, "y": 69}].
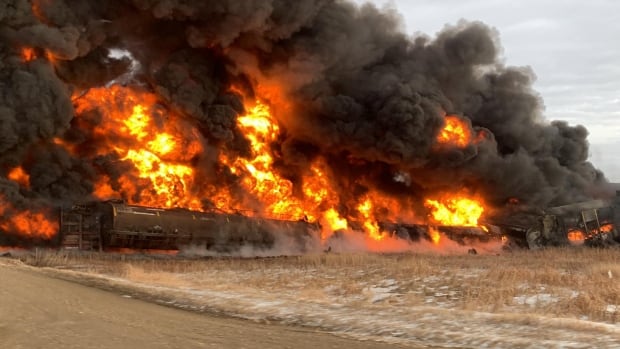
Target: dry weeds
[{"x": 567, "y": 283}]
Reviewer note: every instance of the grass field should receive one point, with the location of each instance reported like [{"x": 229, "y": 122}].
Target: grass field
[
  {"x": 397, "y": 297},
  {"x": 571, "y": 282}
]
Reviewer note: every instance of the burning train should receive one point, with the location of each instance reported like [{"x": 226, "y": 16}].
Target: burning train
[
  {"x": 114, "y": 224},
  {"x": 592, "y": 223},
  {"x": 110, "y": 225},
  {"x": 314, "y": 113}
]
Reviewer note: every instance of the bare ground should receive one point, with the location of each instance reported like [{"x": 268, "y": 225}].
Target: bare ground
[{"x": 39, "y": 311}]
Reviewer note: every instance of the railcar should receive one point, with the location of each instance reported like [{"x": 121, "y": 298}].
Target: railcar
[{"x": 115, "y": 224}]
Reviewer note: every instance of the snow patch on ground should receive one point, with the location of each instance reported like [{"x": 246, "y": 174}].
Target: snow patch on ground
[
  {"x": 378, "y": 314},
  {"x": 537, "y": 299},
  {"x": 381, "y": 292},
  {"x": 612, "y": 308}
]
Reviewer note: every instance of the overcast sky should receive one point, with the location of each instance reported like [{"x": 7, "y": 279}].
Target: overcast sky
[{"x": 572, "y": 46}]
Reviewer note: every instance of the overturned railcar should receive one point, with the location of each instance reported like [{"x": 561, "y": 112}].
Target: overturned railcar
[
  {"x": 593, "y": 223},
  {"x": 114, "y": 224},
  {"x": 463, "y": 235}
]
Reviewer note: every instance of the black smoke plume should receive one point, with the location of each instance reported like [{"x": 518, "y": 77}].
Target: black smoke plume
[{"x": 365, "y": 96}]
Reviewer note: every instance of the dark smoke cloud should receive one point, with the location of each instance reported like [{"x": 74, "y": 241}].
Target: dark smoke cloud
[
  {"x": 34, "y": 104},
  {"x": 367, "y": 98}
]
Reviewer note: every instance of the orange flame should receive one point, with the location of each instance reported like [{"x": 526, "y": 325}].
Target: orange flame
[
  {"x": 370, "y": 225},
  {"x": 26, "y": 223},
  {"x": 258, "y": 176},
  {"x": 317, "y": 191},
  {"x": 607, "y": 228},
  {"x": 576, "y": 236},
  {"x": 455, "y": 132},
  {"x": 133, "y": 128},
  {"x": 278, "y": 195},
  {"x": 456, "y": 210},
  {"x": 37, "y": 11},
  {"x": 434, "y": 235},
  {"x": 333, "y": 222},
  {"x": 20, "y": 176},
  {"x": 317, "y": 198},
  {"x": 28, "y": 54}
]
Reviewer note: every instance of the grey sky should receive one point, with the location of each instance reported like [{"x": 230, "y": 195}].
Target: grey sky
[{"x": 572, "y": 46}]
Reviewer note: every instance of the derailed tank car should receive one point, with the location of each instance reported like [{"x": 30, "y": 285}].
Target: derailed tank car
[
  {"x": 463, "y": 235},
  {"x": 594, "y": 223},
  {"x": 114, "y": 224}
]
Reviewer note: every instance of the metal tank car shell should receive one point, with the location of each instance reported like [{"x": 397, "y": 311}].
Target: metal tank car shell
[{"x": 114, "y": 224}]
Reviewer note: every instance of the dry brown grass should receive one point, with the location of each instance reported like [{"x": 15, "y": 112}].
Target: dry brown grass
[{"x": 570, "y": 282}]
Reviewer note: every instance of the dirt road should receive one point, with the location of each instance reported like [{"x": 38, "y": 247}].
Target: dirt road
[{"x": 38, "y": 311}]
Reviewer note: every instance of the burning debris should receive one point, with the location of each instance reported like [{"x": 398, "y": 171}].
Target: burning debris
[{"x": 318, "y": 111}]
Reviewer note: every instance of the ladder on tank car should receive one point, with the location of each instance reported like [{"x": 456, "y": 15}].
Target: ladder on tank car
[{"x": 76, "y": 234}]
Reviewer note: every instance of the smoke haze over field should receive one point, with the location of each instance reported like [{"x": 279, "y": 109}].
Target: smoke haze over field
[{"x": 346, "y": 85}]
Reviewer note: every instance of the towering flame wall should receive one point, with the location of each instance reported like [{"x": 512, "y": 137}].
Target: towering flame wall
[{"x": 312, "y": 110}]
